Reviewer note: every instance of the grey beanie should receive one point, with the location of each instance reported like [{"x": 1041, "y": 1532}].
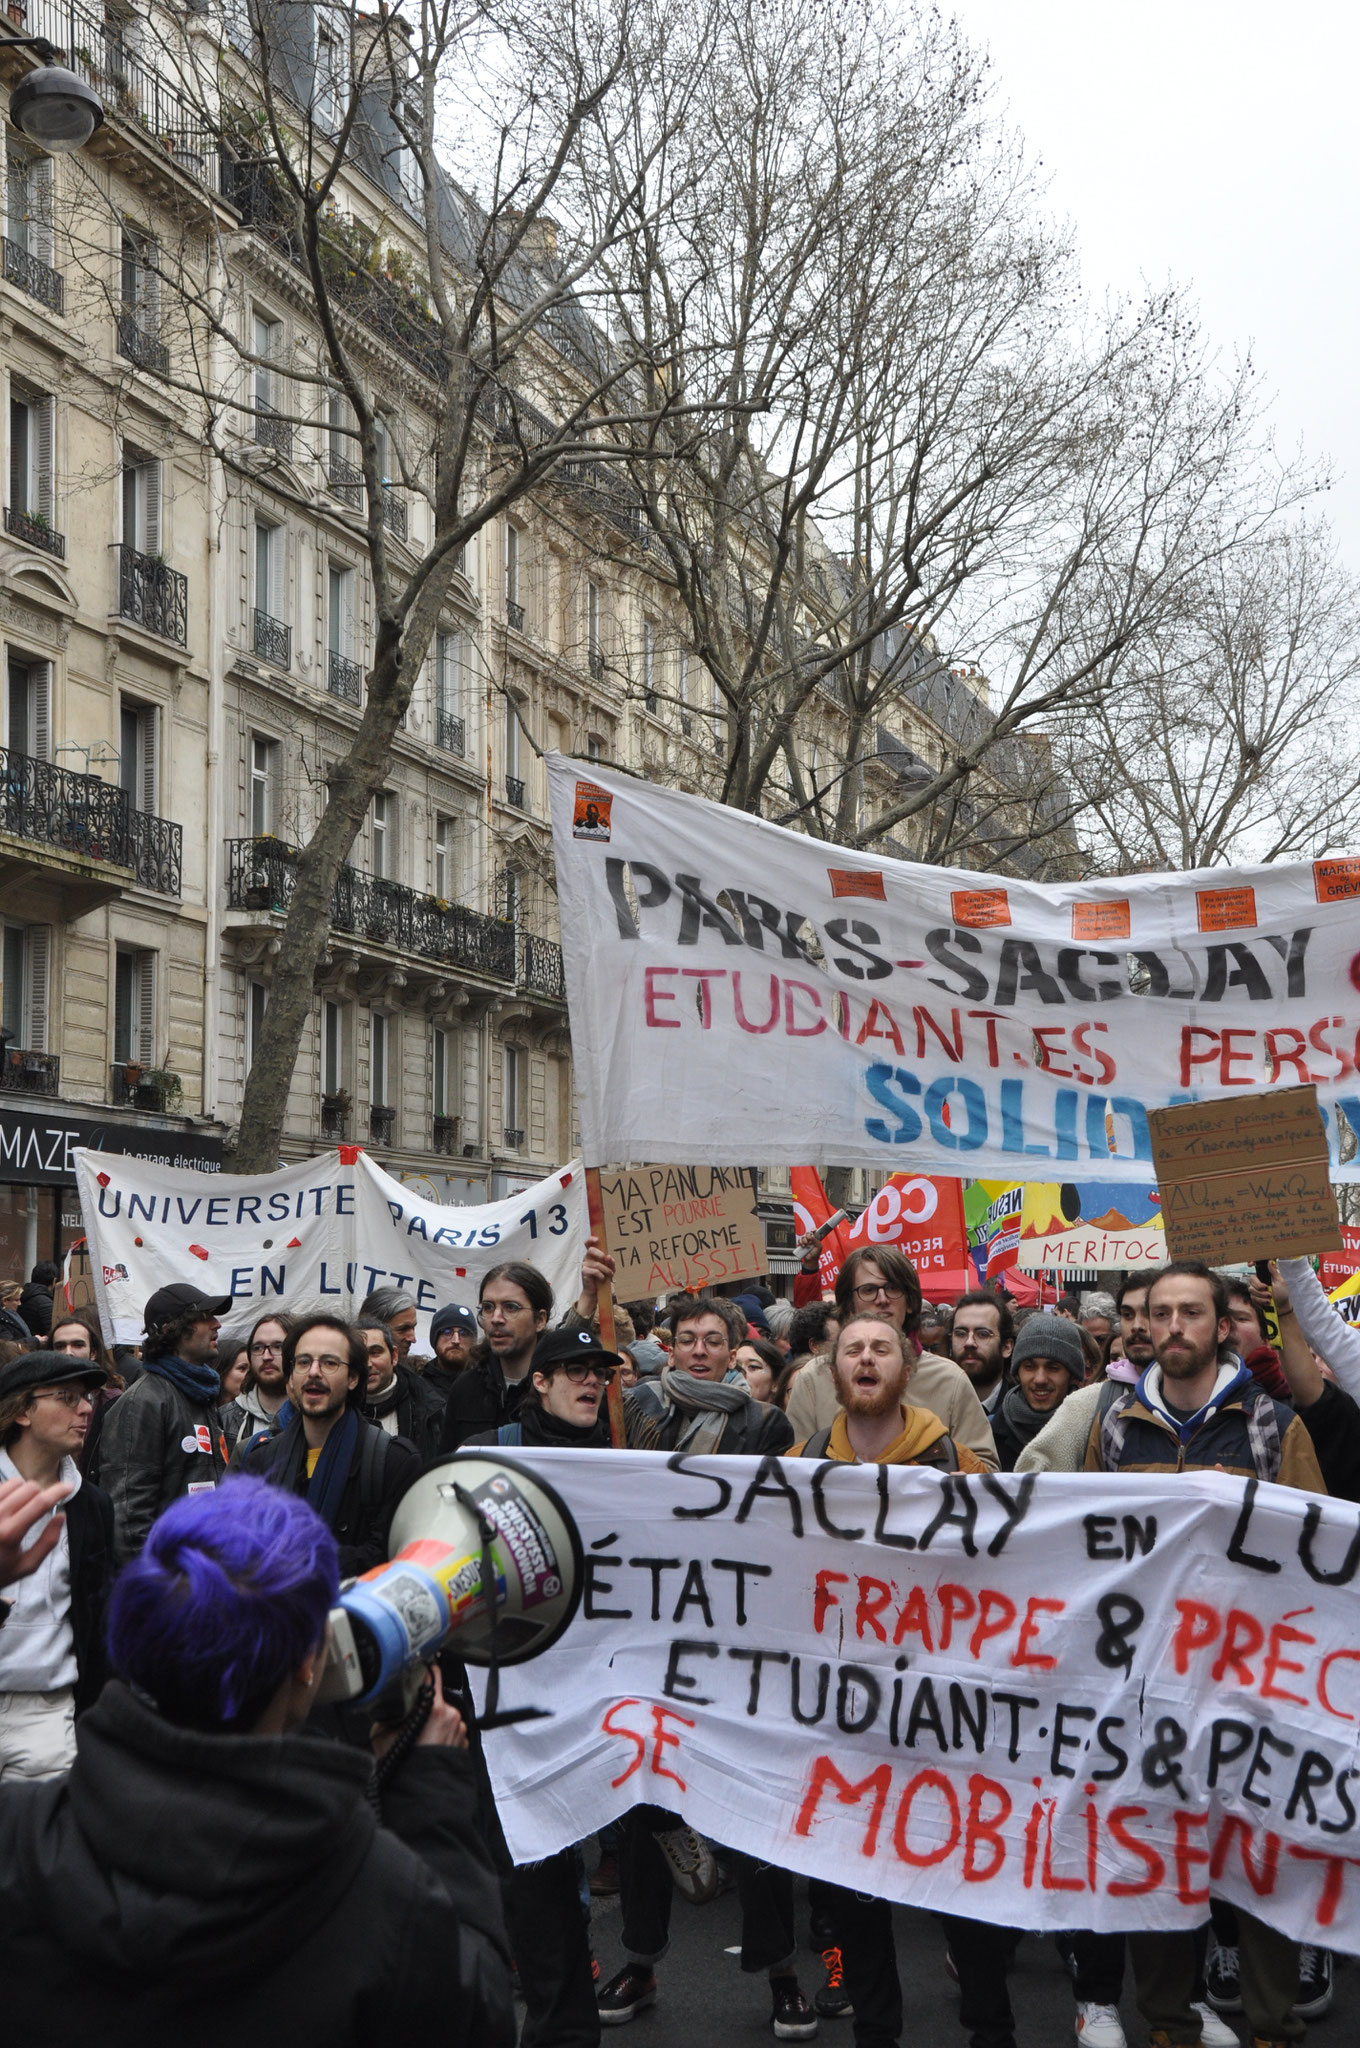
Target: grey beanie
[{"x": 1051, "y": 1337}]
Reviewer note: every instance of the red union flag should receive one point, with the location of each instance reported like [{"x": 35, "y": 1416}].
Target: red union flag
[
  {"x": 811, "y": 1208},
  {"x": 918, "y": 1216}
]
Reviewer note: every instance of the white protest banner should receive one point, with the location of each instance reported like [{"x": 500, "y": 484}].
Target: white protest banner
[
  {"x": 1049, "y": 1703},
  {"x": 740, "y": 991},
  {"x": 324, "y": 1233}
]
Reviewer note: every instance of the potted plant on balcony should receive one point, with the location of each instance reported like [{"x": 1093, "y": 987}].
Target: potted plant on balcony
[
  {"x": 132, "y": 1073},
  {"x": 160, "y": 1089}
]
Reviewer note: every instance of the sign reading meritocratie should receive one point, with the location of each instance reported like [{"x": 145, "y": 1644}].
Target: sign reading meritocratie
[
  {"x": 1045, "y": 1702},
  {"x": 1246, "y": 1178},
  {"x": 681, "y": 1226},
  {"x": 740, "y": 990}
]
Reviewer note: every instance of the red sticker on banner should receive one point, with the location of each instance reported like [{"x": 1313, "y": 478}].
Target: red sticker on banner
[
  {"x": 103, "y": 1179},
  {"x": 293, "y": 1244},
  {"x": 198, "y": 1251},
  {"x": 348, "y": 1153},
  {"x": 564, "y": 1180}
]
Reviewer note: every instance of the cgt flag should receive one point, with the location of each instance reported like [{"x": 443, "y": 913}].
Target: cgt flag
[
  {"x": 918, "y": 1216},
  {"x": 811, "y": 1208}
]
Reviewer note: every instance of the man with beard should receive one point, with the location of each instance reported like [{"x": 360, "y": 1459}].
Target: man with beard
[
  {"x": 981, "y": 1337},
  {"x": 1198, "y": 1408},
  {"x": 878, "y": 1425},
  {"x": 397, "y": 1399},
  {"x": 1061, "y": 1444},
  {"x": 514, "y": 1303},
  {"x": 1047, "y": 1364},
  {"x": 163, "y": 1437},
  {"x": 453, "y": 1333},
  {"x": 253, "y": 1411}
]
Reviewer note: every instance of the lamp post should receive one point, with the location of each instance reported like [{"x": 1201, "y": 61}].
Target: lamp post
[{"x": 53, "y": 107}]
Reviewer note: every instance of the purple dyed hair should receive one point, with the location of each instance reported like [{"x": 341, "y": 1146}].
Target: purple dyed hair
[{"x": 229, "y": 1595}]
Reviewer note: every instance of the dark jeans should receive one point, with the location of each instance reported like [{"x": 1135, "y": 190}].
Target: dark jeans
[
  {"x": 646, "y": 1889},
  {"x": 982, "y": 1955},
  {"x": 1164, "y": 1972},
  {"x": 1098, "y": 1976},
  {"x": 550, "y": 1939}
]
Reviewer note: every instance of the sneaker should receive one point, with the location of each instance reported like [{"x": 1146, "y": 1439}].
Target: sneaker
[
  {"x": 1315, "y": 1984},
  {"x": 1099, "y": 2026},
  {"x": 792, "y": 2018},
  {"x": 604, "y": 1879},
  {"x": 1214, "y": 2032},
  {"x": 594, "y": 1967},
  {"x": 626, "y": 1994},
  {"x": 1222, "y": 1980},
  {"x": 833, "y": 2000},
  {"x": 692, "y": 1864}
]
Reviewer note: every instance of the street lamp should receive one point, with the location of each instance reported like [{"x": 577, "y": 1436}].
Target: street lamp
[{"x": 52, "y": 106}]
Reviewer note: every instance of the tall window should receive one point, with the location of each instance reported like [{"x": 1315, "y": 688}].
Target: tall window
[
  {"x": 332, "y": 1048},
  {"x": 257, "y": 998},
  {"x": 441, "y": 1075},
  {"x": 378, "y": 1050},
  {"x": 138, "y": 752},
  {"x": 140, "y": 278},
  {"x": 26, "y": 956},
  {"x": 445, "y": 858},
  {"x": 512, "y": 736},
  {"x": 593, "y": 650},
  {"x": 329, "y": 94},
  {"x": 649, "y": 664},
  {"x": 513, "y": 895},
  {"x": 141, "y": 499},
  {"x": 264, "y": 772},
  {"x": 340, "y": 610},
  {"x": 268, "y": 569},
  {"x": 594, "y": 747},
  {"x": 512, "y": 551},
  {"x": 30, "y": 453},
  {"x": 339, "y": 446},
  {"x": 385, "y": 836},
  {"x": 28, "y": 721},
  {"x": 446, "y": 672},
  {"x": 134, "y": 1006},
  {"x": 28, "y": 203},
  {"x": 268, "y": 335},
  {"x": 512, "y": 1096}
]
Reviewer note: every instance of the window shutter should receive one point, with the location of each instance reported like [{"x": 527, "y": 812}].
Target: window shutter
[
  {"x": 147, "y": 722},
  {"x": 40, "y": 413},
  {"x": 40, "y": 709},
  {"x": 40, "y": 207},
  {"x": 149, "y": 541},
  {"x": 146, "y": 1009},
  {"x": 17, "y": 169},
  {"x": 19, "y": 422},
  {"x": 38, "y": 939}
]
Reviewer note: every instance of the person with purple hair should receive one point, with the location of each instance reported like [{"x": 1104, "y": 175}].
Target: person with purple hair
[{"x": 205, "y": 1872}]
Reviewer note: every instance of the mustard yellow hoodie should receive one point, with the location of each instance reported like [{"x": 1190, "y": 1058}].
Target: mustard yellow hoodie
[{"x": 921, "y": 1432}]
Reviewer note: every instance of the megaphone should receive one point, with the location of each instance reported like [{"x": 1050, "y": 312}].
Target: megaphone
[{"x": 482, "y": 1549}]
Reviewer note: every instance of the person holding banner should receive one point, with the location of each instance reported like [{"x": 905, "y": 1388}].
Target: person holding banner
[{"x": 514, "y": 1303}]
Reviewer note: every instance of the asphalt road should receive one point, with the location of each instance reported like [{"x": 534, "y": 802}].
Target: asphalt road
[{"x": 704, "y": 1998}]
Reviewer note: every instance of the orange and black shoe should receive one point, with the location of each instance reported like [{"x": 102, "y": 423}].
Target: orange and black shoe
[{"x": 833, "y": 2000}]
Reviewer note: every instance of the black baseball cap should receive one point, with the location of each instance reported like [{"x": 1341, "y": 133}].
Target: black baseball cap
[
  {"x": 571, "y": 1347},
  {"x": 168, "y": 1304},
  {"x": 453, "y": 1317},
  {"x": 49, "y": 1369}
]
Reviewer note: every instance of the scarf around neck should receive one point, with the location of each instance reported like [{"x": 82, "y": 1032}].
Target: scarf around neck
[
  {"x": 324, "y": 1490},
  {"x": 707, "y": 1403},
  {"x": 1023, "y": 1421},
  {"x": 195, "y": 1382}
]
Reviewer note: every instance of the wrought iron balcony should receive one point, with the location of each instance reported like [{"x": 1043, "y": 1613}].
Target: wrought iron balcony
[
  {"x": 335, "y": 1119},
  {"x": 596, "y": 663},
  {"x": 137, "y": 1087},
  {"x": 344, "y": 678},
  {"x": 540, "y": 967},
  {"x": 380, "y": 1122},
  {"x": 394, "y": 515},
  {"x": 23, "y": 1072},
  {"x": 32, "y": 275},
  {"x": 272, "y": 432},
  {"x": 157, "y": 853},
  {"x": 514, "y": 615},
  {"x": 514, "y": 1139},
  {"x": 152, "y": 594},
  {"x": 262, "y": 875},
  {"x": 686, "y": 725},
  {"x": 32, "y": 527},
  {"x": 146, "y": 351},
  {"x": 450, "y": 733},
  {"x": 649, "y": 700},
  {"x": 444, "y": 1134},
  {"x": 79, "y": 814},
  {"x": 273, "y": 640},
  {"x": 345, "y": 481},
  {"x": 514, "y": 792}
]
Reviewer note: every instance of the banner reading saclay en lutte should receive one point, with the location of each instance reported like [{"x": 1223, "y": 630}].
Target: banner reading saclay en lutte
[{"x": 740, "y": 991}]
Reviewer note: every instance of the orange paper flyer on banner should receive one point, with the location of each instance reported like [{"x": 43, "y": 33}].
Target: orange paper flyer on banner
[
  {"x": 1101, "y": 920},
  {"x": 1225, "y": 910},
  {"x": 593, "y": 804},
  {"x": 980, "y": 907}
]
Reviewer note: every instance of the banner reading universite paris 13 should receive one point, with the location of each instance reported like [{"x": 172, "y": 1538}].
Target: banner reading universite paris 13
[
  {"x": 1048, "y": 1703},
  {"x": 738, "y": 991}
]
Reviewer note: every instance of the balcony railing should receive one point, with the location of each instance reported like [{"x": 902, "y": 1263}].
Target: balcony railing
[
  {"x": 273, "y": 640},
  {"x": 514, "y": 1139},
  {"x": 29, "y": 1073},
  {"x": 157, "y": 852},
  {"x": 134, "y": 1088},
  {"x": 344, "y": 678},
  {"x": 79, "y": 814},
  {"x": 147, "y": 351},
  {"x": 394, "y": 515},
  {"x": 32, "y": 527},
  {"x": 334, "y": 1120},
  {"x": 595, "y": 661},
  {"x": 444, "y": 1134},
  {"x": 33, "y": 276},
  {"x": 450, "y": 733},
  {"x": 540, "y": 967},
  {"x": 101, "y": 48},
  {"x": 272, "y": 432},
  {"x": 514, "y": 615},
  {"x": 686, "y": 725},
  {"x": 262, "y": 874},
  {"x": 153, "y": 595},
  {"x": 345, "y": 482},
  {"x": 514, "y": 792},
  {"x": 380, "y": 1122}
]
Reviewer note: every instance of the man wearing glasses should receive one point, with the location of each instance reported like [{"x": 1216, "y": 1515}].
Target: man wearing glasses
[
  {"x": 51, "y": 1641},
  {"x": 882, "y": 1281},
  {"x": 514, "y": 1304},
  {"x": 264, "y": 1393}
]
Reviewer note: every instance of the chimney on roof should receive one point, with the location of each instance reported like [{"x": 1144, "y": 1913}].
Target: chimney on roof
[{"x": 539, "y": 242}]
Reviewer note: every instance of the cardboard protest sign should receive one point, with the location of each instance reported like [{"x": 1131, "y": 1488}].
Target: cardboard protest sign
[
  {"x": 1033, "y": 1701},
  {"x": 1247, "y": 1178},
  {"x": 1070, "y": 1224},
  {"x": 741, "y": 990},
  {"x": 687, "y": 1227},
  {"x": 321, "y": 1234}
]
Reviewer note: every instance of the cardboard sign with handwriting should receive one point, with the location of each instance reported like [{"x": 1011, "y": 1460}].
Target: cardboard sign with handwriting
[
  {"x": 681, "y": 1226},
  {"x": 1245, "y": 1177}
]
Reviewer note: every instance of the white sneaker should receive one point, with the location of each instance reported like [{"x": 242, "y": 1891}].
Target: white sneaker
[
  {"x": 1099, "y": 2026},
  {"x": 1215, "y": 2032},
  {"x": 693, "y": 1865}
]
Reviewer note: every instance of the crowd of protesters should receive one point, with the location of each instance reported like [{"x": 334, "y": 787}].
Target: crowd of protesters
[{"x": 324, "y": 1420}]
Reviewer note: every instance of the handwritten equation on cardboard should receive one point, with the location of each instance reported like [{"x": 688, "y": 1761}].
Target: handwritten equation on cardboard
[{"x": 1245, "y": 1177}]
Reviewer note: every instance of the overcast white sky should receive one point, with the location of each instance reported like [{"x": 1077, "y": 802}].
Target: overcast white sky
[{"x": 1217, "y": 145}]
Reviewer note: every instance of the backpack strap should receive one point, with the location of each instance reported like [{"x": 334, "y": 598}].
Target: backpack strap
[
  {"x": 372, "y": 1458},
  {"x": 816, "y": 1446},
  {"x": 510, "y": 1435}
]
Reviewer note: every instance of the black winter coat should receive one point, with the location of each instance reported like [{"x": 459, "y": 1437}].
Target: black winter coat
[
  {"x": 1333, "y": 1422},
  {"x": 481, "y": 1397},
  {"x": 89, "y": 1530},
  {"x": 150, "y": 1454},
  {"x": 420, "y": 1413},
  {"x": 361, "y": 1526},
  {"x": 177, "y": 1887},
  {"x": 35, "y": 1306}
]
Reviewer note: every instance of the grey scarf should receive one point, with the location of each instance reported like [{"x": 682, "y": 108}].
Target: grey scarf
[{"x": 707, "y": 1403}]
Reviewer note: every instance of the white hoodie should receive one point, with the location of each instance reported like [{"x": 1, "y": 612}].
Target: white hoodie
[{"x": 37, "y": 1644}]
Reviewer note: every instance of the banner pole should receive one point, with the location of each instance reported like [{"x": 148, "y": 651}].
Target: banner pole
[{"x": 595, "y": 1208}]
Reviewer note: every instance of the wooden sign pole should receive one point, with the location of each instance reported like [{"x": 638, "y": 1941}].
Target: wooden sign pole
[{"x": 595, "y": 1208}]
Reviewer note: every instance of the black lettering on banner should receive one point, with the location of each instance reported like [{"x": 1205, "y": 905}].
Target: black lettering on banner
[
  {"x": 1120, "y": 1617},
  {"x": 866, "y": 1681},
  {"x": 1346, "y": 1570},
  {"x": 1236, "y": 1553},
  {"x": 1111, "y": 1748},
  {"x": 700, "y": 912},
  {"x": 678, "y": 1462},
  {"x": 655, "y": 1565},
  {"x": 678, "y": 1684},
  {"x": 1062, "y": 1740},
  {"x": 958, "y": 1507},
  {"x": 1341, "y": 1827},
  {"x": 1313, "y": 1773},
  {"x": 772, "y": 1483},
  {"x": 1139, "y": 1536},
  {"x": 1014, "y": 1701},
  {"x": 757, "y": 1659},
  {"x": 849, "y": 931},
  {"x": 694, "y": 1593},
  {"x": 1159, "y": 1758},
  {"x": 1260, "y": 1765},
  {"x": 1100, "y": 1541},
  {"x": 974, "y": 988},
  {"x": 819, "y": 1508},
  {"x": 1229, "y": 1742},
  {"x": 596, "y": 1587},
  {"x": 925, "y": 1713},
  {"x": 759, "y": 1571},
  {"x": 1014, "y": 1506},
  {"x": 796, "y": 1693},
  {"x": 882, "y": 1533},
  {"x": 973, "y": 1718}
]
